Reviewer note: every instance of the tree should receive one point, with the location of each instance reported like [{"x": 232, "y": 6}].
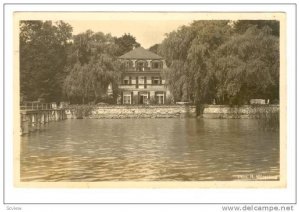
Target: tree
[
  {"x": 154, "y": 48},
  {"x": 188, "y": 52},
  {"x": 126, "y": 43},
  {"x": 230, "y": 62},
  {"x": 209, "y": 36},
  {"x": 241, "y": 26},
  {"x": 43, "y": 55},
  {"x": 90, "y": 81},
  {"x": 94, "y": 59},
  {"x": 247, "y": 66},
  {"x": 89, "y": 45}
]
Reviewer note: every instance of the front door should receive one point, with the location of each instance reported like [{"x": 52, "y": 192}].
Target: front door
[{"x": 143, "y": 99}]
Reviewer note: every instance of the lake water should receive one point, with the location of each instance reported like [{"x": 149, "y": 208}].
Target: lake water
[{"x": 150, "y": 150}]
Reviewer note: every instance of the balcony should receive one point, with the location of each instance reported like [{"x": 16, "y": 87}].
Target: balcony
[
  {"x": 142, "y": 87},
  {"x": 143, "y": 70}
]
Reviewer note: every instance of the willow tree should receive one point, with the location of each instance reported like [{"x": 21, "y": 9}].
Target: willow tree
[
  {"x": 90, "y": 81},
  {"x": 175, "y": 50},
  {"x": 230, "y": 62},
  {"x": 189, "y": 52},
  {"x": 93, "y": 57},
  {"x": 209, "y": 36},
  {"x": 247, "y": 66}
]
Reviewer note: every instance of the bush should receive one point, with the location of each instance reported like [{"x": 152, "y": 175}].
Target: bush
[{"x": 82, "y": 111}]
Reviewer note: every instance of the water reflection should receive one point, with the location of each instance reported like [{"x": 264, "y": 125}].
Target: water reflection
[{"x": 150, "y": 150}]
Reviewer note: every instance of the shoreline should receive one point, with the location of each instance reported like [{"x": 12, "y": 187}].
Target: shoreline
[{"x": 168, "y": 111}]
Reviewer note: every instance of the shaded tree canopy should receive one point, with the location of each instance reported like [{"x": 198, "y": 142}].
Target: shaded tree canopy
[
  {"x": 190, "y": 50},
  {"x": 242, "y": 26},
  {"x": 43, "y": 55},
  {"x": 90, "y": 81},
  {"x": 223, "y": 61},
  {"x": 247, "y": 66},
  {"x": 126, "y": 43},
  {"x": 92, "y": 67},
  {"x": 154, "y": 48}
]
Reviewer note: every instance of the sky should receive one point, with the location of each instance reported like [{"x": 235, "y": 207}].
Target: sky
[
  {"x": 146, "y": 32},
  {"x": 148, "y": 28}
]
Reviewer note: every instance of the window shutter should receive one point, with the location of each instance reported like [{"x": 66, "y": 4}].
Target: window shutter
[
  {"x": 164, "y": 98},
  {"x": 152, "y": 81},
  {"x": 145, "y": 82},
  {"x": 160, "y": 80},
  {"x": 129, "y": 80},
  {"x": 137, "y": 82},
  {"x": 131, "y": 99}
]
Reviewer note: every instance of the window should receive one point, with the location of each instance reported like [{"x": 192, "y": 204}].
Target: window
[
  {"x": 128, "y": 64},
  {"x": 127, "y": 99},
  {"x": 126, "y": 82},
  {"x": 141, "y": 80},
  {"x": 156, "y": 81},
  {"x": 156, "y": 64},
  {"x": 141, "y": 65}
]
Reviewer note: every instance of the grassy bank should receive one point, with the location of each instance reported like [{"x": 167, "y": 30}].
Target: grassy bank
[{"x": 268, "y": 119}]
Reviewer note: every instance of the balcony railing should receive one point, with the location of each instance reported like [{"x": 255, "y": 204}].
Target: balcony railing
[
  {"x": 142, "y": 86},
  {"x": 143, "y": 69}
]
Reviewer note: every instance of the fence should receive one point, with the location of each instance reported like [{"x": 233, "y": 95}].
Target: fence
[{"x": 36, "y": 106}]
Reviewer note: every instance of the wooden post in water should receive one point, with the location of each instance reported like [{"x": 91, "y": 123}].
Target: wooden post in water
[
  {"x": 32, "y": 122},
  {"x": 24, "y": 124}
]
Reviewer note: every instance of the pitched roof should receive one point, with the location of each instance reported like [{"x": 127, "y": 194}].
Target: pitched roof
[{"x": 140, "y": 53}]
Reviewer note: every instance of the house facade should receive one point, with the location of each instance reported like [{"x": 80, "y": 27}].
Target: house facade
[{"x": 142, "y": 81}]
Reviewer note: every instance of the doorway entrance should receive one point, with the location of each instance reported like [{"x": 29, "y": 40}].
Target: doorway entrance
[{"x": 143, "y": 99}]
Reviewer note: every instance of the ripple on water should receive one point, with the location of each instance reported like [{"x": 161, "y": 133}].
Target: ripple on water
[{"x": 178, "y": 149}]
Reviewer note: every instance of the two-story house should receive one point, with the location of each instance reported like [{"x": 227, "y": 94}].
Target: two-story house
[{"x": 142, "y": 82}]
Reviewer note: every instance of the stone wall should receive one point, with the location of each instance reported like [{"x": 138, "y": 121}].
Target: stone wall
[
  {"x": 139, "y": 111},
  {"x": 245, "y": 111},
  {"x": 172, "y": 111}
]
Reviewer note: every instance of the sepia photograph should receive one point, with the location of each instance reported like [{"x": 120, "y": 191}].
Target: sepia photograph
[{"x": 155, "y": 99}]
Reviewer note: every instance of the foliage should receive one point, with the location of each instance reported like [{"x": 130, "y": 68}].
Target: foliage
[
  {"x": 93, "y": 66},
  {"x": 90, "y": 81},
  {"x": 230, "y": 62},
  {"x": 189, "y": 51},
  {"x": 242, "y": 26},
  {"x": 89, "y": 45},
  {"x": 154, "y": 48},
  {"x": 43, "y": 55},
  {"x": 125, "y": 44},
  {"x": 81, "y": 111},
  {"x": 247, "y": 66}
]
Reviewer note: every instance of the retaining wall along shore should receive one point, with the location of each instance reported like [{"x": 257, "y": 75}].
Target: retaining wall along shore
[
  {"x": 138, "y": 111},
  {"x": 169, "y": 111},
  {"x": 237, "y": 112}
]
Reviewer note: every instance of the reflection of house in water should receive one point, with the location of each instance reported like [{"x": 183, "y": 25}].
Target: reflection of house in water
[{"x": 142, "y": 82}]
